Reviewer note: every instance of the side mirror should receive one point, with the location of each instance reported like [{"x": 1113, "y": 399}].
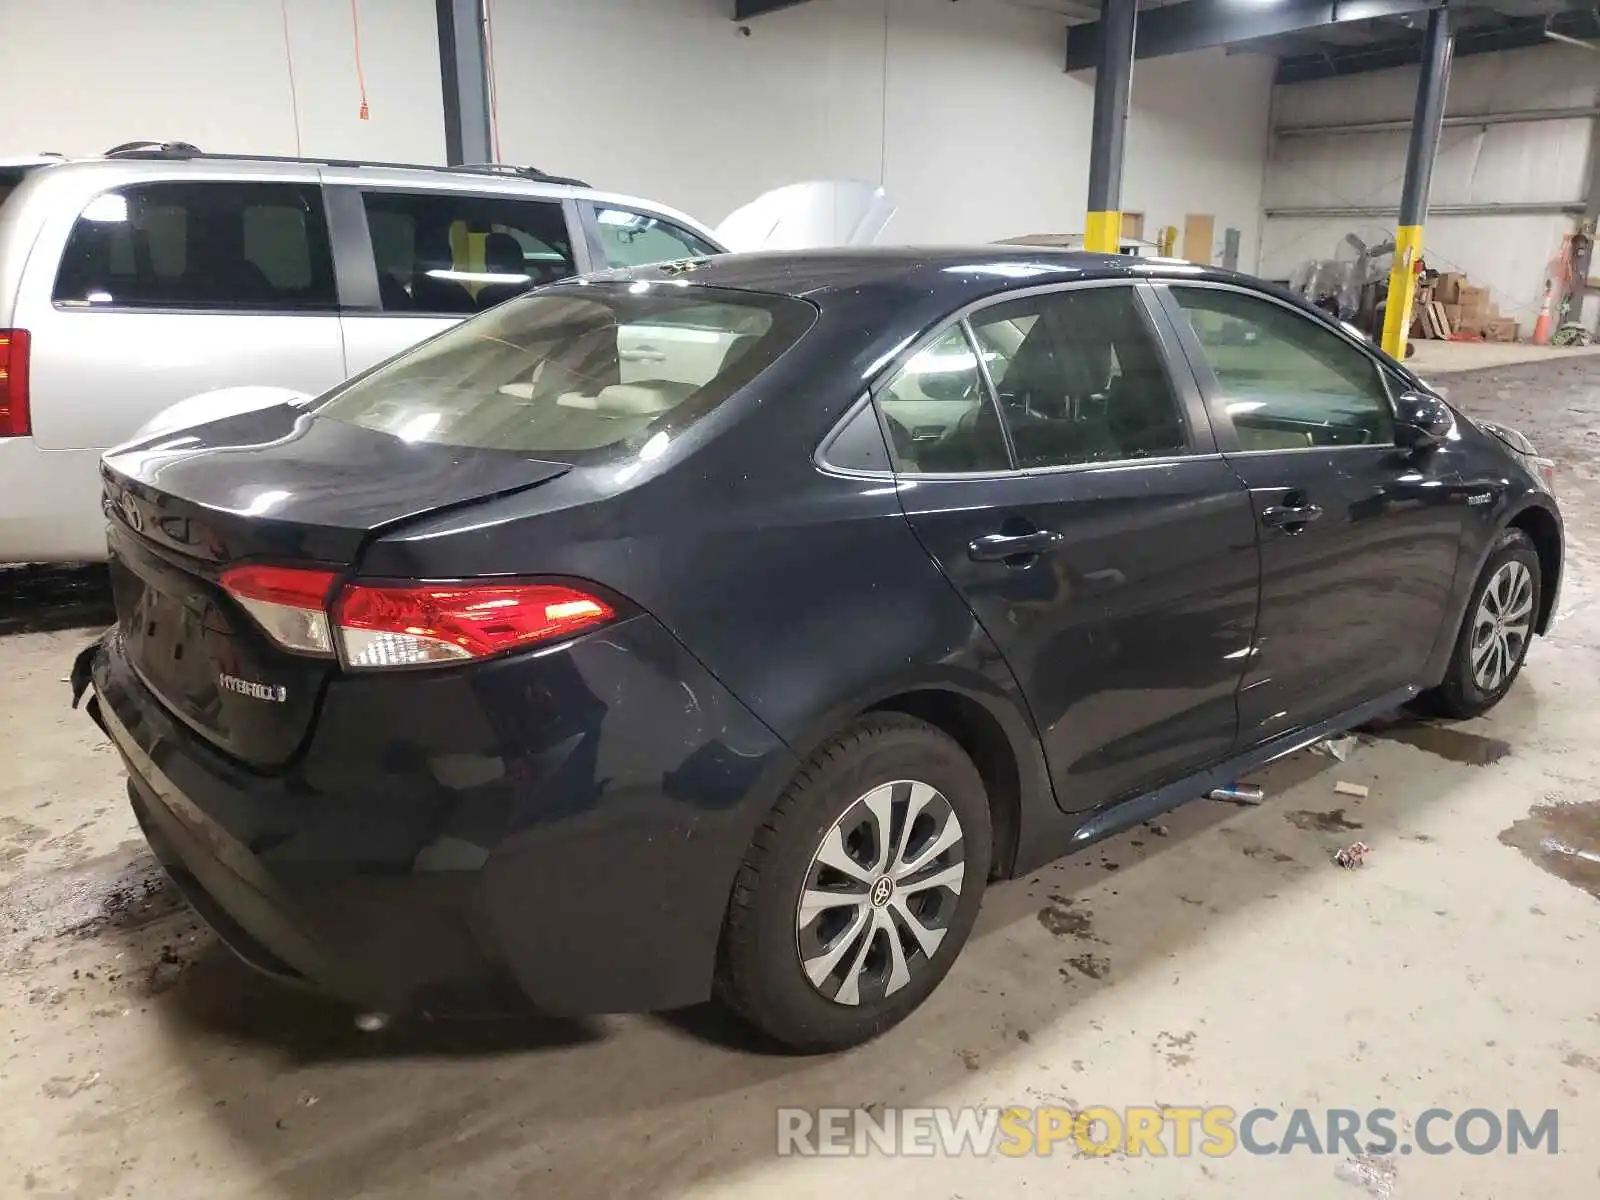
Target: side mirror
[{"x": 1422, "y": 421}]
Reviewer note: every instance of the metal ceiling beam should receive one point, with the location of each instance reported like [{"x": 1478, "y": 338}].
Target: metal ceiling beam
[
  {"x": 1178, "y": 28},
  {"x": 1343, "y": 211},
  {"x": 1521, "y": 116},
  {"x": 1404, "y": 52},
  {"x": 745, "y": 10}
]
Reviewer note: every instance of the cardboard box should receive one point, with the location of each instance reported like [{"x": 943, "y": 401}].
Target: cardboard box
[
  {"x": 1473, "y": 299},
  {"x": 1448, "y": 289},
  {"x": 1501, "y": 329},
  {"x": 1453, "y": 312}
]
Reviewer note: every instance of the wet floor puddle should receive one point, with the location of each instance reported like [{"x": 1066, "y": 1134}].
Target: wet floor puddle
[
  {"x": 1457, "y": 745},
  {"x": 1564, "y": 839}
]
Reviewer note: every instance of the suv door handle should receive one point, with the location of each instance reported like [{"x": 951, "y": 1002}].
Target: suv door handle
[
  {"x": 1288, "y": 516},
  {"x": 996, "y": 547}
]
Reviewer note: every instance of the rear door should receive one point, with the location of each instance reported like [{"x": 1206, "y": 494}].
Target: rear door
[
  {"x": 1068, "y": 485},
  {"x": 1359, "y": 539},
  {"x": 168, "y": 289},
  {"x": 414, "y": 261}
]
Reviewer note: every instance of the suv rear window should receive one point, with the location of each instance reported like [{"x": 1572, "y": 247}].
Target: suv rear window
[
  {"x": 249, "y": 247},
  {"x": 577, "y": 373}
]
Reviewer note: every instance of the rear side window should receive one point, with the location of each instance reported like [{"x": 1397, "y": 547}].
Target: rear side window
[
  {"x": 1079, "y": 378},
  {"x": 249, "y": 247},
  {"x": 583, "y": 373},
  {"x": 632, "y": 239},
  {"x": 939, "y": 415},
  {"x": 450, "y": 252}
]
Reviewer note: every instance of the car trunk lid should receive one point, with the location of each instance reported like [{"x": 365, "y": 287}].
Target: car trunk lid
[{"x": 276, "y": 486}]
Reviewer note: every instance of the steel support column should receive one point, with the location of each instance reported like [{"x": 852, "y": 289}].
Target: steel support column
[
  {"x": 463, "y": 70},
  {"x": 1433, "y": 80},
  {"x": 1113, "y": 82},
  {"x": 1583, "y": 255}
]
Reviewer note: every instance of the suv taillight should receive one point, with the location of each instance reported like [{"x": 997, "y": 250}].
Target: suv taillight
[
  {"x": 410, "y": 624},
  {"x": 15, "y": 420}
]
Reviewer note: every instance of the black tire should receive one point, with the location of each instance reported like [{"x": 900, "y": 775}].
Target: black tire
[
  {"x": 761, "y": 974},
  {"x": 1462, "y": 693}
]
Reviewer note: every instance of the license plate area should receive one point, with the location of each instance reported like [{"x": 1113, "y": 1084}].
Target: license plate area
[{"x": 206, "y": 661}]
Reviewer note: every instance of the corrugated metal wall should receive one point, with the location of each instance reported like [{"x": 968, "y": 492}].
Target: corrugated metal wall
[{"x": 1538, "y": 164}]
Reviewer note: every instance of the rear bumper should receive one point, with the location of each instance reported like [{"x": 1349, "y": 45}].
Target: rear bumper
[
  {"x": 52, "y": 504},
  {"x": 557, "y": 830}
]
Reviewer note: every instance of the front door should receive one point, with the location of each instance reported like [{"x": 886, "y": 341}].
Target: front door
[
  {"x": 1359, "y": 538},
  {"x": 1071, "y": 492}
]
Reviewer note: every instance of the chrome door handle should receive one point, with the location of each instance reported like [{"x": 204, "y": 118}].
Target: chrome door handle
[
  {"x": 1285, "y": 516},
  {"x": 996, "y": 547}
]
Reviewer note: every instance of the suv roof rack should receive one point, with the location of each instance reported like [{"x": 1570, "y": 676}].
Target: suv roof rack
[
  {"x": 185, "y": 150},
  {"x": 530, "y": 173},
  {"x": 147, "y": 149}
]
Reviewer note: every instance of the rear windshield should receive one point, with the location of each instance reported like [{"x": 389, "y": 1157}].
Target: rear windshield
[{"x": 578, "y": 372}]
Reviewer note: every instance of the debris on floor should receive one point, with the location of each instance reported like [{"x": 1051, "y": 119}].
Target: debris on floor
[
  {"x": 1372, "y": 1174},
  {"x": 1556, "y": 846},
  {"x": 1358, "y": 790},
  {"x": 1238, "y": 793},
  {"x": 1352, "y": 856},
  {"x": 1335, "y": 747}
]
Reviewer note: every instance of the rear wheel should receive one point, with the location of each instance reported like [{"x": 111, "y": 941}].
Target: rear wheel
[
  {"x": 1495, "y": 635},
  {"x": 861, "y": 887}
]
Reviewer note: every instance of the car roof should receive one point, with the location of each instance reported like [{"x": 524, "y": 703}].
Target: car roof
[{"x": 951, "y": 275}]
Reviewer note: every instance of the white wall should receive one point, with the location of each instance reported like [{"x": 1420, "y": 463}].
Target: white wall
[
  {"x": 962, "y": 111},
  {"x": 79, "y": 76},
  {"x": 1507, "y": 163}
]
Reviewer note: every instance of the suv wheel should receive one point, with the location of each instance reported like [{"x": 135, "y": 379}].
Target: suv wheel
[
  {"x": 1496, "y": 633},
  {"x": 861, "y": 887}
]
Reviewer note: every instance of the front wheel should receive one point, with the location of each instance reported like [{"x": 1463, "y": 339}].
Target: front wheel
[
  {"x": 1496, "y": 632},
  {"x": 861, "y": 887}
]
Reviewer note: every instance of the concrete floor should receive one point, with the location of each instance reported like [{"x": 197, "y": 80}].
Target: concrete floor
[
  {"x": 1225, "y": 961},
  {"x": 1448, "y": 358}
]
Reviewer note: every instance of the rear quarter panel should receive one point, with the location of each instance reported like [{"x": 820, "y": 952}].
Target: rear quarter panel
[{"x": 804, "y": 592}]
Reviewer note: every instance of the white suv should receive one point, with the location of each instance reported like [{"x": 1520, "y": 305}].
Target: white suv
[{"x": 157, "y": 273}]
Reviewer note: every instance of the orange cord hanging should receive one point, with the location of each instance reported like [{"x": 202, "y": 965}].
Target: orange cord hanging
[{"x": 361, "y": 77}]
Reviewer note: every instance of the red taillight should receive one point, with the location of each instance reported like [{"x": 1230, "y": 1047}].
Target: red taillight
[
  {"x": 15, "y": 420},
  {"x": 410, "y": 624},
  {"x": 290, "y": 603},
  {"x": 416, "y": 624}
]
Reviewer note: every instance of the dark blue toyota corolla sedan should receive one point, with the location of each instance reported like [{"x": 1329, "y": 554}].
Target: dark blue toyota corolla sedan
[{"x": 725, "y": 627}]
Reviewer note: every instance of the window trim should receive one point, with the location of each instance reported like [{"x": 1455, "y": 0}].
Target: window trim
[
  {"x": 197, "y": 310},
  {"x": 820, "y": 457},
  {"x": 1211, "y": 388},
  {"x": 1192, "y": 410},
  {"x": 355, "y": 267}
]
